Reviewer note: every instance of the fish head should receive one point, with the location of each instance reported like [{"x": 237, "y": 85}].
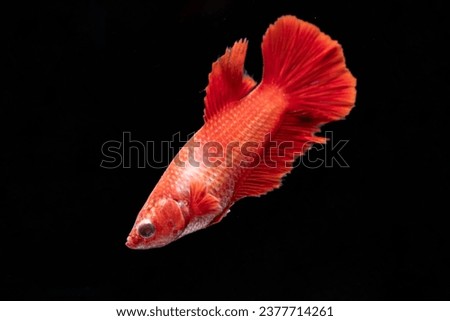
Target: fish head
[{"x": 157, "y": 225}]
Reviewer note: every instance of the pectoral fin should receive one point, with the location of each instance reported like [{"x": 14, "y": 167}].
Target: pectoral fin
[{"x": 201, "y": 201}]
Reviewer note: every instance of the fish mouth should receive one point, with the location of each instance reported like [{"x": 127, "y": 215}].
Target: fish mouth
[{"x": 130, "y": 243}]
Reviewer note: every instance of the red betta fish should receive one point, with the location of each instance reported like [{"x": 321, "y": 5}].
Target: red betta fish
[{"x": 252, "y": 133}]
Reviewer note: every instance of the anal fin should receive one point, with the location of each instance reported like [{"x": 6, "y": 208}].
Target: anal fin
[{"x": 292, "y": 139}]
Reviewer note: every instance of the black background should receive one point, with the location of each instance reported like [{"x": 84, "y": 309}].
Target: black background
[{"x": 80, "y": 73}]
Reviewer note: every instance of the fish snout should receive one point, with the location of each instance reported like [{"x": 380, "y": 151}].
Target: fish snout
[{"x": 131, "y": 243}]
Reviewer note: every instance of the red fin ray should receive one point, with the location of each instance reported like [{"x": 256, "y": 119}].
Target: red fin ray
[
  {"x": 227, "y": 81},
  {"x": 309, "y": 67},
  {"x": 201, "y": 201}
]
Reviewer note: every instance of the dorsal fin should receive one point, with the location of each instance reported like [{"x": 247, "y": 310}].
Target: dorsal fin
[{"x": 227, "y": 81}]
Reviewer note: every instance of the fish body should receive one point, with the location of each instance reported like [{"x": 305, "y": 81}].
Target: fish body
[{"x": 252, "y": 133}]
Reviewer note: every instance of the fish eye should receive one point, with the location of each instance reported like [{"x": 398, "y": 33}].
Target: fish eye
[{"x": 146, "y": 230}]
